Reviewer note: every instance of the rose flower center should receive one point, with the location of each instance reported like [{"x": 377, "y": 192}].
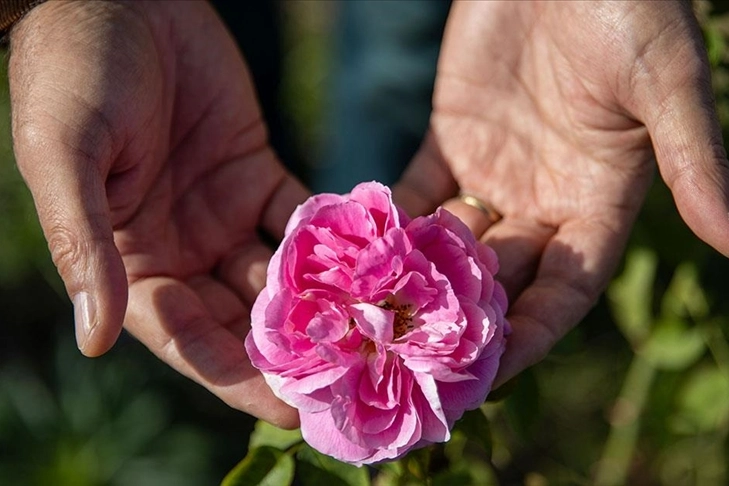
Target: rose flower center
[{"x": 403, "y": 321}]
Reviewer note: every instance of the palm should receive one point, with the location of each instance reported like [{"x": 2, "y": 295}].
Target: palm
[
  {"x": 548, "y": 112},
  {"x": 189, "y": 183}
]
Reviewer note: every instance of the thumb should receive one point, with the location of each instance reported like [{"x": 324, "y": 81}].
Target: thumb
[
  {"x": 680, "y": 114},
  {"x": 70, "y": 200},
  {"x": 59, "y": 148},
  {"x": 427, "y": 181},
  {"x": 693, "y": 163}
]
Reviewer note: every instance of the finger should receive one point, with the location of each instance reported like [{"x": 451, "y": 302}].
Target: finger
[
  {"x": 427, "y": 181},
  {"x": 574, "y": 269},
  {"x": 72, "y": 208},
  {"x": 173, "y": 322},
  {"x": 223, "y": 305},
  {"x": 677, "y": 105},
  {"x": 693, "y": 164},
  {"x": 288, "y": 194},
  {"x": 476, "y": 220},
  {"x": 244, "y": 270},
  {"x": 519, "y": 246}
]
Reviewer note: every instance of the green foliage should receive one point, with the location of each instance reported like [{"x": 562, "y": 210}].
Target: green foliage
[
  {"x": 22, "y": 248},
  {"x": 279, "y": 455},
  {"x": 265, "y": 434},
  {"x": 475, "y": 427},
  {"x": 314, "y": 468},
  {"x": 275, "y": 457},
  {"x": 632, "y": 294},
  {"x": 675, "y": 339},
  {"x": 703, "y": 402},
  {"x": 673, "y": 345},
  {"x": 93, "y": 423},
  {"x": 307, "y": 45},
  {"x": 263, "y": 466},
  {"x": 522, "y": 405}
]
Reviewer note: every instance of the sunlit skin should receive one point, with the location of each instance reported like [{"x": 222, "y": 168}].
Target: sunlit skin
[
  {"x": 137, "y": 131},
  {"x": 555, "y": 113}
]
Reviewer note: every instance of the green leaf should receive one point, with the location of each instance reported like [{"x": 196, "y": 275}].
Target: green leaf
[
  {"x": 523, "y": 406},
  {"x": 715, "y": 44},
  {"x": 703, "y": 402},
  {"x": 673, "y": 346},
  {"x": 466, "y": 464},
  {"x": 265, "y": 434},
  {"x": 684, "y": 295},
  {"x": 390, "y": 474},
  {"x": 475, "y": 426},
  {"x": 417, "y": 463},
  {"x": 310, "y": 474},
  {"x": 317, "y": 469},
  {"x": 454, "y": 449},
  {"x": 263, "y": 466},
  {"x": 631, "y": 295}
]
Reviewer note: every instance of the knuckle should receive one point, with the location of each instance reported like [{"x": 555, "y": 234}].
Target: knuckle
[
  {"x": 68, "y": 250},
  {"x": 72, "y": 247}
]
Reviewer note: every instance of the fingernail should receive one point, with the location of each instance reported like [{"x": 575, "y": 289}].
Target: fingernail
[{"x": 83, "y": 314}]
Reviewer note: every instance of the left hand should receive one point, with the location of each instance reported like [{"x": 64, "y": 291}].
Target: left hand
[
  {"x": 137, "y": 130},
  {"x": 553, "y": 113}
]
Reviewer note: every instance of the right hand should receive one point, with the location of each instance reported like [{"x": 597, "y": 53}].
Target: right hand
[
  {"x": 136, "y": 128},
  {"x": 555, "y": 114}
]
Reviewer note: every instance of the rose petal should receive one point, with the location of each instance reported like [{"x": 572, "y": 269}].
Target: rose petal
[
  {"x": 428, "y": 400},
  {"x": 330, "y": 325},
  {"x": 468, "y": 395},
  {"x": 304, "y": 212},
  {"x": 380, "y": 262},
  {"x": 377, "y": 199},
  {"x": 375, "y": 322},
  {"x": 320, "y": 432},
  {"x": 348, "y": 220}
]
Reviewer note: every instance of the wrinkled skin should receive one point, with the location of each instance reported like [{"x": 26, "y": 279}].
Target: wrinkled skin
[
  {"x": 137, "y": 130},
  {"x": 555, "y": 113}
]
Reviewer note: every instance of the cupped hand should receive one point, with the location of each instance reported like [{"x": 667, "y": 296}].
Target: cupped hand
[
  {"x": 137, "y": 130},
  {"x": 554, "y": 114}
]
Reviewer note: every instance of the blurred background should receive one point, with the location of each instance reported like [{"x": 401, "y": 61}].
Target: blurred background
[{"x": 637, "y": 394}]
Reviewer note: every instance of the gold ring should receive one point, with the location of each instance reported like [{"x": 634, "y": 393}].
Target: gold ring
[{"x": 490, "y": 213}]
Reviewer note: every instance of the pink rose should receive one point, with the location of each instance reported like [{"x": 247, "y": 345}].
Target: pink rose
[{"x": 379, "y": 329}]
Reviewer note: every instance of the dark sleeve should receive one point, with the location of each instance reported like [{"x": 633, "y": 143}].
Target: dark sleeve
[{"x": 12, "y": 10}]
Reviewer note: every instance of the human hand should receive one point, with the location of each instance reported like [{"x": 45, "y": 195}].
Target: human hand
[
  {"x": 553, "y": 113},
  {"x": 136, "y": 128}
]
